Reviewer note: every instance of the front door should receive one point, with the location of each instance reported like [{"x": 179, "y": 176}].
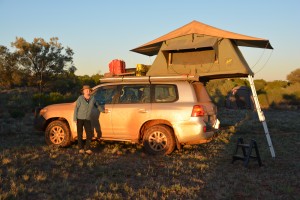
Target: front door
[{"x": 102, "y": 123}]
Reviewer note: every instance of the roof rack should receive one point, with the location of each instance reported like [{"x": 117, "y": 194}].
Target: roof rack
[{"x": 149, "y": 78}]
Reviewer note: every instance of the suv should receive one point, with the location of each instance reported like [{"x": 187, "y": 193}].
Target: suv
[{"x": 158, "y": 112}]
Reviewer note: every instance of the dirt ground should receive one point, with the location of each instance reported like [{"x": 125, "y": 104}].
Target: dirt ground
[{"x": 32, "y": 170}]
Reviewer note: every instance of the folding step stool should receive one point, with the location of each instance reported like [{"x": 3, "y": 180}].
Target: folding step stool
[{"x": 247, "y": 151}]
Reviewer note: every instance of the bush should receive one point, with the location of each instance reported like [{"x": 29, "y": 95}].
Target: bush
[
  {"x": 16, "y": 113},
  {"x": 263, "y": 101},
  {"x": 280, "y": 97},
  {"x": 52, "y": 98},
  {"x": 260, "y": 86},
  {"x": 276, "y": 85},
  {"x": 18, "y": 104},
  {"x": 294, "y": 76},
  {"x": 219, "y": 89},
  {"x": 275, "y": 94}
]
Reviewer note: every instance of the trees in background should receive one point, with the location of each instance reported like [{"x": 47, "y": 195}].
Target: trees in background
[
  {"x": 273, "y": 94},
  {"x": 45, "y": 61},
  {"x": 10, "y": 73},
  {"x": 46, "y": 65},
  {"x": 49, "y": 67},
  {"x": 294, "y": 76}
]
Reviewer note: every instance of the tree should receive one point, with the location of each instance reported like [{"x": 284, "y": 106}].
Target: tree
[
  {"x": 44, "y": 60},
  {"x": 294, "y": 76},
  {"x": 96, "y": 78},
  {"x": 10, "y": 74},
  {"x": 86, "y": 80}
]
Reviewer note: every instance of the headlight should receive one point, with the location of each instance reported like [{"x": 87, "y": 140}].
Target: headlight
[{"x": 43, "y": 111}]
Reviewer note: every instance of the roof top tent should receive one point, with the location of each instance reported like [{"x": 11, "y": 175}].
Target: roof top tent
[
  {"x": 200, "y": 49},
  {"x": 207, "y": 52}
]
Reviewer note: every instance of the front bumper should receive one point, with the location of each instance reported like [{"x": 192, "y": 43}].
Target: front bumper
[{"x": 39, "y": 122}]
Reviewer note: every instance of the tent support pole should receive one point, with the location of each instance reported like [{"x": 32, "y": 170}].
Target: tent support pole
[{"x": 261, "y": 115}]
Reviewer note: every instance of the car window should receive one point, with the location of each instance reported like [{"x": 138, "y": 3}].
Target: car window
[
  {"x": 134, "y": 94},
  {"x": 165, "y": 93},
  {"x": 106, "y": 94}
]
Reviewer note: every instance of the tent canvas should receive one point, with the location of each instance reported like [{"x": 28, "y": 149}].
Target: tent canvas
[
  {"x": 205, "y": 51},
  {"x": 200, "y": 49}
]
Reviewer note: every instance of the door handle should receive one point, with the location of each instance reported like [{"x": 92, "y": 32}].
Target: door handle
[{"x": 143, "y": 110}]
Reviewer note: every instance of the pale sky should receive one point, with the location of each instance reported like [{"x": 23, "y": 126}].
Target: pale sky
[{"x": 103, "y": 30}]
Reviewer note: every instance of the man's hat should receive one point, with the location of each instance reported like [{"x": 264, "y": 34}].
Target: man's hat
[{"x": 86, "y": 87}]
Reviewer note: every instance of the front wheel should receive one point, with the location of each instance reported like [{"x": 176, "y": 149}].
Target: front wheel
[
  {"x": 57, "y": 133},
  {"x": 159, "y": 140}
]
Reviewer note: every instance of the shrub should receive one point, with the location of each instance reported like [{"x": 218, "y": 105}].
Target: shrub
[
  {"x": 18, "y": 104},
  {"x": 16, "y": 113},
  {"x": 52, "y": 98},
  {"x": 263, "y": 101},
  {"x": 276, "y": 85},
  {"x": 294, "y": 76},
  {"x": 260, "y": 86},
  {"x": 275, "y": 94},
  {"x": 219, "y": 89}
]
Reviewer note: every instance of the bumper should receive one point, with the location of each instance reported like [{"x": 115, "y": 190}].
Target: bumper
[
  {"x": 209, "y": 136},
  {"x": 192, "y": 132},
  {"x": 39, "y": 123},
  {"x": 205, "y": 138}
]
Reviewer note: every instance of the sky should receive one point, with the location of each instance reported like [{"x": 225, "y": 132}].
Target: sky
[{"x": 99, "y": 31}]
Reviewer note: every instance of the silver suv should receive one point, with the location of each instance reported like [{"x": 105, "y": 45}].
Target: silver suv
[{"x": 158, "y": 112}]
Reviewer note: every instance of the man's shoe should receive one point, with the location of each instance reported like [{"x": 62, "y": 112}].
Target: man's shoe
[
  {"x": 81, "y": 151},
  {"x": 89, "y": 152}
]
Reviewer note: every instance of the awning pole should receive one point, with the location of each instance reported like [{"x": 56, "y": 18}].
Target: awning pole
[{"x": 261, "y": 115}]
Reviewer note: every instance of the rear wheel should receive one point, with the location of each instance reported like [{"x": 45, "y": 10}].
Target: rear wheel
[
  {"x": 57, "y": 133},
  {"x": 159, "y": 140}
]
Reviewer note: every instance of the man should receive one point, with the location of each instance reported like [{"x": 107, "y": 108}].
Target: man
[{"x": 82, "y": 117}]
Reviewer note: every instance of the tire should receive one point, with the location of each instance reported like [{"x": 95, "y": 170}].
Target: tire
[
  {"x": 58, "y": 134},
  {"x": 159, "y": 140}
]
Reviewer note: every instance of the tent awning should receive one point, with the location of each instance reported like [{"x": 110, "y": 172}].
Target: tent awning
[
  {"x": 185, "y": 44},
  {"x": 152, "y": 48}
]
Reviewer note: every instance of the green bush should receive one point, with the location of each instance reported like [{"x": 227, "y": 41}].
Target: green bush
[
  {"x": 16, "y": 113},
  {"x": 219, "y": 89},
  {"x": 52, "y": 98},
  {"x": 263, "y": 101},
  {"x": 275, "y": 94},
  {"x": 18, "y": 104},
  {"x": 260, "y": 86},
  {"x": 276, "y": 85}
]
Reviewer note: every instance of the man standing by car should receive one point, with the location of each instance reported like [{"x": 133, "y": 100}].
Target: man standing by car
[{"x": 82, "y": 117}]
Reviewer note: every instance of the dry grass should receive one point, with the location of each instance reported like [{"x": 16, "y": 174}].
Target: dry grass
[{"x": 32, "y": 170}]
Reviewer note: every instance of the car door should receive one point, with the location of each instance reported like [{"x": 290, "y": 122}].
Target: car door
[
  {"x": 131, "y": 110},
  {"x": 101, "y": 122}
]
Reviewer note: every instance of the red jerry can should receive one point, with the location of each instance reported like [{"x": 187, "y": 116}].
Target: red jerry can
[{"x": 117, "y": 67}]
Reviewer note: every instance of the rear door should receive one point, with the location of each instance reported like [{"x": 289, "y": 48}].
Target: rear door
[
  {"x": 204, "y": 99},
  {"x": 131, "y": 110},
  {"x": 166, "y": 105}
]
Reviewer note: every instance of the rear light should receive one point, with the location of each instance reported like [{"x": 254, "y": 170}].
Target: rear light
[
  {"x": 204, "y": 129},
  {"x": 198, "y": 111}
]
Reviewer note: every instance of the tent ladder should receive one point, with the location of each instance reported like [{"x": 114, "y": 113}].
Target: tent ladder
[{"x": 261, "y": 115}]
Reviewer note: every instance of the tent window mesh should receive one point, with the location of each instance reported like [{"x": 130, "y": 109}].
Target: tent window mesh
[{"x": 192, "y": 57}]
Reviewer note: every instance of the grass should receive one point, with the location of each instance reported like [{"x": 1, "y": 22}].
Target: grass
[{"x": 29, "y": 169}]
